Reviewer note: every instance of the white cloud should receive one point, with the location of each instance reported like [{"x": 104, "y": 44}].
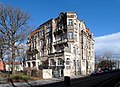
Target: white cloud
[{"x": 108, "y": 42}]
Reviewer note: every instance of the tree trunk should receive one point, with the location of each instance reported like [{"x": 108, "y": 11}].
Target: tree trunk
[
  {"x": 4, "y": 66},
  {"x": 13, "y": 55},
  {"x": 2, "y": 58}
]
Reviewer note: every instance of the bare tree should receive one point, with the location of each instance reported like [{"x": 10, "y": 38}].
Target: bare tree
[
  {"x": 105, "y": 59},
  {"x": 14, "y": 27},
  {"x": 22, "y": 54},
  {"x": 1, "y": 50}
]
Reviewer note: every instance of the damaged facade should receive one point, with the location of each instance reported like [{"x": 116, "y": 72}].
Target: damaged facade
[{"x": 62, "y": 44}]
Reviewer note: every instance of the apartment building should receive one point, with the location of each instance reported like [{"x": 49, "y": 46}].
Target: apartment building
[{"x": 63, "y": 44}]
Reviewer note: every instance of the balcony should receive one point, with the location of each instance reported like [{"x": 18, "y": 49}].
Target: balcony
[
  {"x": 42, "y": 37},
  {"x": 33, "y": 58},
  {"x": 71, "y": 39},
  {"x": 59, "y": 51},
  {"x": 61, "y": 41},
  {"x": 28, "y": 43},
  {"x": 29, "y": 52},
  {"x": 58, "y": 31},
  {"x": 58, "y": 54},
  {"x": 28, "y": 58},
  {"x": 35, "y": 51},
  {"x": 64, "y": 40},
  {"x": 51, "y": 55},
  {"x": 32, "y": 52},
  {"x": 70, "y": 27},
  {"x": 67, "y": 49}
]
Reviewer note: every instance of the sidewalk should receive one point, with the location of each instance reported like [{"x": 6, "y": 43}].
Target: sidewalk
[{"x": 38, "y": 82}]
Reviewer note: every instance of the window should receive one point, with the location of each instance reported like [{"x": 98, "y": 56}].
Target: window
[
  {"x": 78, "y": 63},
  {"x": 70, "y": 35},
  {"x": 38, "y": 56},
  {"x": 49, "y": 29},
  {"x": 75, "y": 37},
  {"x": 41, "y": 43},
  {"x": 75, "y": 26},
  {"x": 92, "y": 45},
  {"x": 68, "y": 67},
  {"x": 33, "y": 45},
  {"x": 52, "y": 62},
  {"x": 60, "y": 61},
  {"x": 79, "y": 27},
  {"x": 42, "y": 32},
  {"x": 38, "y": 34},
  {"x": 84, "y": 39},
  {"x": 74, "y": 63},
  {"x": 47, "y": 40},
  {"x": 34, "y": 64},
  {"x": 48, "y": 51},
  {"x": 75, "y": 16},
  {"x": 74, "y": 50},
  {"x": 60, "y": 25},
  {"x": 70, "y": 22},
  {"x": 48, "y": 25},
  {"x": 68, "y": 61},
  {"x": 38, "y": 63},
  {"x": 42, "y": 53},
  {"x": 28, "y": 64}
]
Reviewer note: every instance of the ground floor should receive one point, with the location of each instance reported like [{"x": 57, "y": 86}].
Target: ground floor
[
  {"x": 64, "y": 64},
  {"x": 68, "y": 64}
]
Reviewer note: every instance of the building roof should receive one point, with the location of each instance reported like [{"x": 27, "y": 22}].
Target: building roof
[
  {"x": 88, "y": 31},
  {"x": 34, "y": 32}
]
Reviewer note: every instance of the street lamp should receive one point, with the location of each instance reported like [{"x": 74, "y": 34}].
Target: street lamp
[
  {"x": 74, "y": 58},
  {"x": 75, "y": 66}
]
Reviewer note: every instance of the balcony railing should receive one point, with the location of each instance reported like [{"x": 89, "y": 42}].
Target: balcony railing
[
  {"x": 59, "y": 54},
  {"x": 28, "y": 58},
  {"x": 71, "y": 39},
  {"x": 70, "y": 27},
  {"x": 60, "y": 41},
  {"x": 67, "y": 49},
  {"x": 29, "y": 52},
  {"x": 58, "y": 31},
  {"x": 32, "y": 52},
  {"x": 33, "y": 58},
  {"x": 42, "y": 37},
  {"x": 57, "y": 39}
]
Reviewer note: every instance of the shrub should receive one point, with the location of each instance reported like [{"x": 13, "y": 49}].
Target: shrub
[
  {"x": 20, "y": 77},
  {"x": 25, "y": 77},
  {"x": 16, "y": 77}
]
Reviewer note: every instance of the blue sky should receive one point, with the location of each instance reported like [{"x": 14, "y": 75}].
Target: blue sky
[{"x": 101, "y": 16}]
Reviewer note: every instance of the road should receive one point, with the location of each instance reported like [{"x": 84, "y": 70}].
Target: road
[{"x": 105, "y": 80}]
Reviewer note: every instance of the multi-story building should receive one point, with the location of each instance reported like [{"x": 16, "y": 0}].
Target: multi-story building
[{"x": 62, "y": 44}]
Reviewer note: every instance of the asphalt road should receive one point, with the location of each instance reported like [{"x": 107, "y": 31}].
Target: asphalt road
[{"x": 105, "y": 80}]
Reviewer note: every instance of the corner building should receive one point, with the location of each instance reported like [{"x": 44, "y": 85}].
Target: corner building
[{"x": 62, "y": 44}]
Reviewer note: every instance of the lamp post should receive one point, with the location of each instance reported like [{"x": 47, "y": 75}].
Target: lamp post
[{"x": 74, "y": 58}]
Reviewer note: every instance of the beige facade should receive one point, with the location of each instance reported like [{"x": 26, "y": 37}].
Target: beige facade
[{"x": 63, "y": 44}]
